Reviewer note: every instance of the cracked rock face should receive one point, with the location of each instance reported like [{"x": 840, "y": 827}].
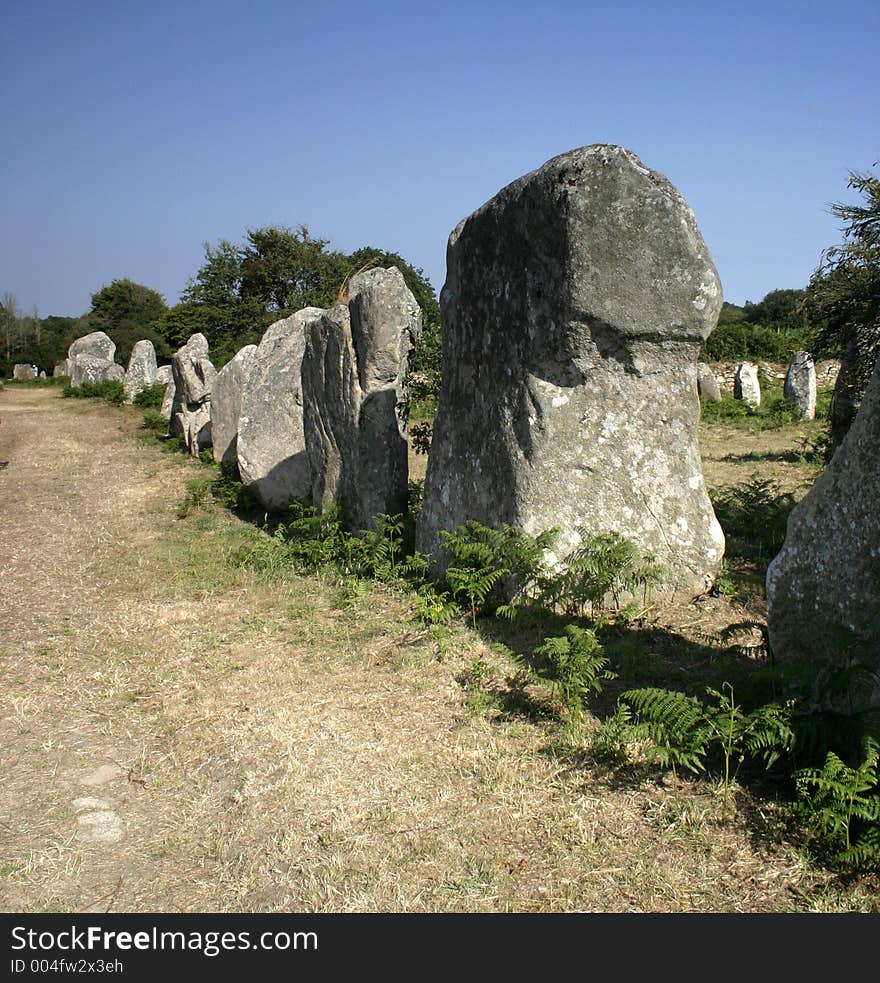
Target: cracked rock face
[
  {"x": 800, "y": 384},
  {"x": 141, "y": 370},
  {"x": 573, "y": 310},
  {"x": 193, "y": 376},
  {"x": 823, "y": 587},
  {"x": 226, "y": 404},
  {"x": 353, "y": 375},
  {"x": 271, "y": 448}
]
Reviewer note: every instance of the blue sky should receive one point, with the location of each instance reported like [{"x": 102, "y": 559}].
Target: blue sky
[{"x": 134, "y": 133}]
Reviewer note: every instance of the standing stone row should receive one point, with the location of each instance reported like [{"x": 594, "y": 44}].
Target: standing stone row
[{"x": 315, "y": 411}]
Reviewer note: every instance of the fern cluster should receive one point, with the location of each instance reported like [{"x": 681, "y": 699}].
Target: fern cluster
[{"x": 604, "y": 568}]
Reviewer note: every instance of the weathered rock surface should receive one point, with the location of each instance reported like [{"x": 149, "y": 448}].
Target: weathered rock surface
[
  {"x": 97, "y": 343},
  {"x": 746, "y": 385},
  {"x": 163, "y": 374},
  {"x": 141, "y": 370},
  {"x": 61, "y": 369},
  {"x": 86, "y": 368},
  {"x": 707, "y": 384},
  {"x": 226, "y": 404},
  {"x": 823, "y": 588},
  {"x": 800, "y": 384},
  {"x": 573, "y": 311},
  {"x": 272, "y": 457},
  {"x": 193, "y": 375},
  {"x": 353, "y": 380},
  {"x": 23, "y": 372}
]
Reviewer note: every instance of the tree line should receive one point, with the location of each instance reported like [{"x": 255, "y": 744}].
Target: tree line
[{"x": 237, "y": 292}]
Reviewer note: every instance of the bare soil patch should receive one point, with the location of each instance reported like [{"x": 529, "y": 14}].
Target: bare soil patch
[{"x": 179, "y": 735}]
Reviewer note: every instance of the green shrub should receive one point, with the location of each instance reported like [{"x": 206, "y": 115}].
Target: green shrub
[
  {"x": 155, "y": 423},
  {"x": 151, "y": 397},
  {"x": 573, "y": 667},
  {"x": 492, "y": 570},
  {"x": 754, "y": 516},
  {"x": 110, "y": 390},
  {"x": 605, "y": 566}
]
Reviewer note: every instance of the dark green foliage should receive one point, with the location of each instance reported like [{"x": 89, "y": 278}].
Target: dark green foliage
[
  {"x": 155, "y": 423},
  {"x": 772, "y": 330},
  {"x": 843, "y": 297},
  {"x": 774, "y": 412},
  {"x": 151, "y": 397},
  {"x": 490, "y": 567},
  {"x": 128, "y": 312},
  {"x": 684, "y": 729},
  {"x": 421, "y": 434},
  {"x": 753, "y": 516},
  {"x": 573, "y": 666},
  {"x": 605, "y": 568},
  {"x": 110, "y": 390},
  {"x": 840, "y": 806}
]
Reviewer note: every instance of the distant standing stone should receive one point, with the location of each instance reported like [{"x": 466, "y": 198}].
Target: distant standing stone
[
  {"x": 61, "y": 369},
  {"x": 93, "y": 369},
  {"x": 163, "y": 374},
  {"x": 226, "y": 404},
  {"x": 823, "y": 587},
  {"x": 23, "y": 372},
  {"x": 707, "y": 384},
  {"x": 746, "y": 386},
  {"x": 97, "y": 343},
  {"x": 800, "y": 384},
  {"x": 141, "y": 370},
  {"x": 193, "y": 374}
]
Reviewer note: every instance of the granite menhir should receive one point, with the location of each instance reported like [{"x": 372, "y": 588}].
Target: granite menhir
[{"x": 574, "y": 307}]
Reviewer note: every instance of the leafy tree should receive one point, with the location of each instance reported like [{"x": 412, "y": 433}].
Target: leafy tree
[
  {"x": 128, "y": 312},
  {"x": 844, "y": 296},
  {"x": 779, "y": 309}
]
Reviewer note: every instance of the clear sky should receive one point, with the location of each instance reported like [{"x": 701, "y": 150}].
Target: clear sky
[{"x": 134, "y": 133}]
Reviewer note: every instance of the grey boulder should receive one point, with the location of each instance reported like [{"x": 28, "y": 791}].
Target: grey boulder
[
  {"x": 271, "y": 449},
  {"x": 141, "y": 371},
  {"x": 707, "y": 384},
  {"x": 226, "y": 404},
  {"x": 193, "y": 375},
  {"x": 353, "y": 378},
  {"x": 574, "y": 307},
  {"x": 823, "y": 587},
  {"x": 92, "y": 369},
  {"x": 800, "y": 384},
  {"x": 746, "y": 385}
]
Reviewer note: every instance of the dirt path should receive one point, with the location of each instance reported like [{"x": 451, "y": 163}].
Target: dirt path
[{"x": 178, "y": 735}]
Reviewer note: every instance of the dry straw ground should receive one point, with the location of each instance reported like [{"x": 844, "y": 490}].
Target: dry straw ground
[{"x": 176, "y": 735}]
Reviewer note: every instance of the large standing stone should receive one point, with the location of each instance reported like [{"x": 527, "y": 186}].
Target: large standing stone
[
  {"x": 800, "y": 384},
  {"x": 271, "y": 448},
  {"x": 746, "y": 385},
  {"x": 90, "y": 360},
  {"x": 353, "y": 379},
  {"x": 573, "y": 311},
  {"x": 823, "y": 587},
  {"x": 707, "y": 384},
  {"x": 193, "y": 375},
  {"x": 91, "y": 369},
  {"x": 141, "y": 370},
  {"x": 97, "y": 343},
  {"x": 23, "y": 372},
  {"x": 226, "y": 404}
]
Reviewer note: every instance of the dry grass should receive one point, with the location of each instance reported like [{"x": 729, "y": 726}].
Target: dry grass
[{"x": 298, "y": 744}]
